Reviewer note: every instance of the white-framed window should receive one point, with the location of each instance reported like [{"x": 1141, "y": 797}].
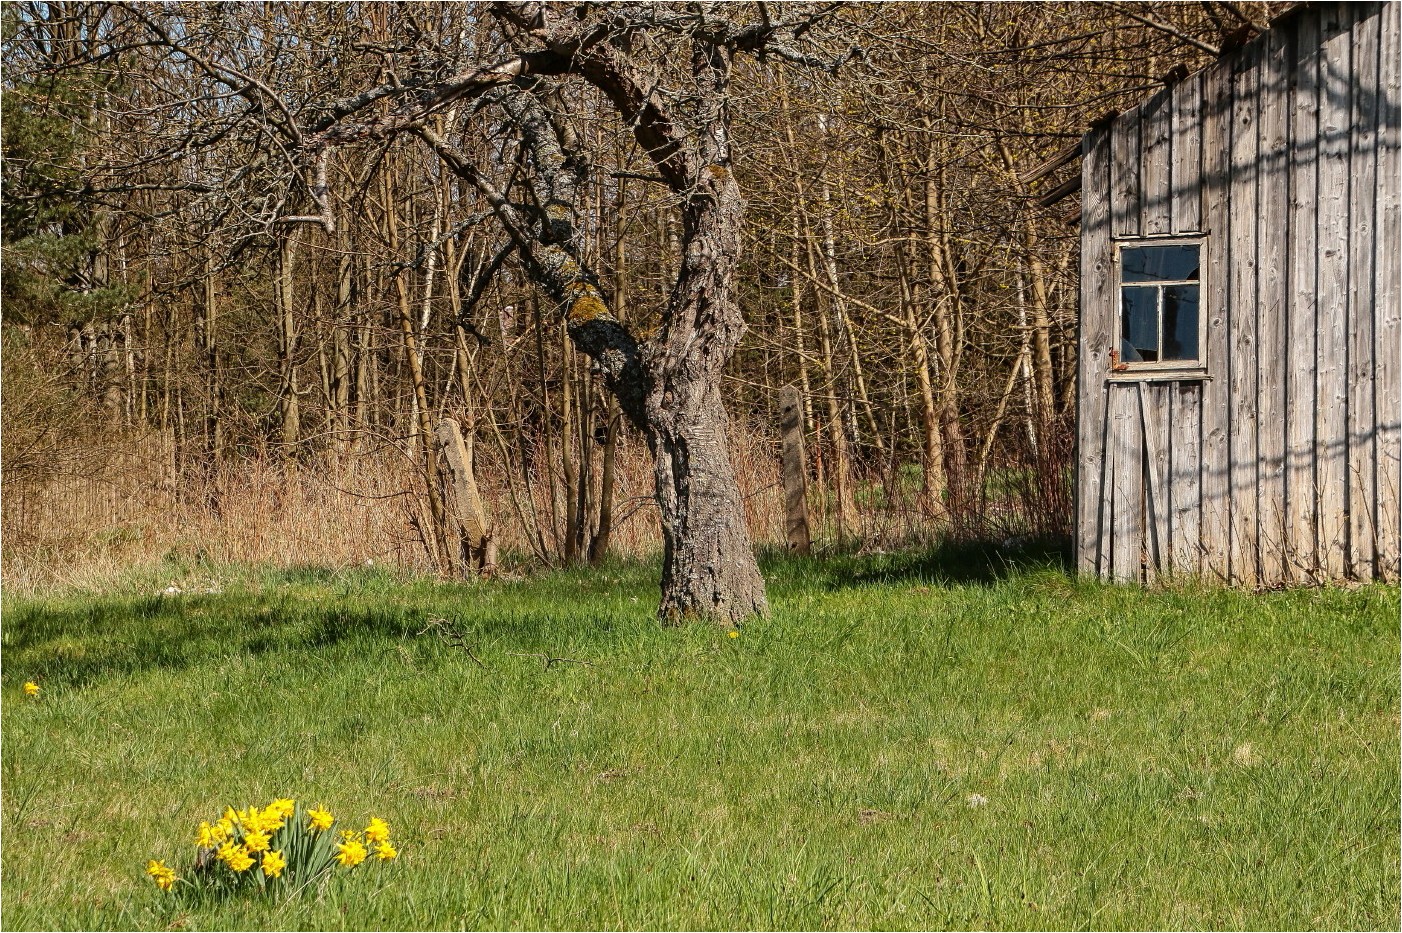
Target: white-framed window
[{"x": 1161, "y": 320}]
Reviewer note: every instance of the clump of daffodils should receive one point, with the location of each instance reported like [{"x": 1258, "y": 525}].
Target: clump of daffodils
[{"x": 285, "y": 845}]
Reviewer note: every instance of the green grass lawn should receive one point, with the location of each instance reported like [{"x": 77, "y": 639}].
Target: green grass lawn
[{"x": 898, "y": 747}]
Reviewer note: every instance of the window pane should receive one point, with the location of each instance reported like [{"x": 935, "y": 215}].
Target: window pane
[
  {"x": 1180, "y": 322},
  {"x": 1139, "y": 325},
  {"x": 1159, "y": 263}
]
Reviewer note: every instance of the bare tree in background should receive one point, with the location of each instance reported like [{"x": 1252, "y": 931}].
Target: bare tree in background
[{"x": 667, "y": 73}]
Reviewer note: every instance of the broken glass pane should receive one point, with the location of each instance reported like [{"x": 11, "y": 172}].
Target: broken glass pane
[
  {"x": 1159, "y": 263},
  {"x": 1139, "y": 325}
]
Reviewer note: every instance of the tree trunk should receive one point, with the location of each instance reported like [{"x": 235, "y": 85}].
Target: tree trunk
[
  {"x": 948, "y": 343},
  {"x": 845, "y": 503},
  {"x": 209, "y": 351},
  {"x": 568, "y": 434},
  {"x": 708, "y": 562},
  {"x": 599, "y": 544},
  {"x": 844, "y": 323},
  {"x": 932, "y": 481},
  {"x": 289, "y": 409},
  {"x": 340, "y": 394}
]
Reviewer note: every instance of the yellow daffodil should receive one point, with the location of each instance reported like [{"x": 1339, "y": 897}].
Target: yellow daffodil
[
  {"x": 256, "y": 821},
  {"x": 31, "y": 688},
  {"x": 235, "y": 856},
  {"x": 241, "y": 860},
  {"x": 272, "y": 818},
  {"x": 208, "y": 836},
  {"x": 273, "y": 864},
  {"x": 319, "y": 819},
  {"x": 377, "y": 831},
  {"x": 243, "y": 840},
  {"x": 160, "y": 873},
  {"x": 350, "y": 853}
]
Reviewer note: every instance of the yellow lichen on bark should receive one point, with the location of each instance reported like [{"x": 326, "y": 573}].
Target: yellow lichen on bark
[{"x": 586, "y": 307}]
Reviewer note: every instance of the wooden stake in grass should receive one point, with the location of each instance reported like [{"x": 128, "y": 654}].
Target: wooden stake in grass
[
  {"x": 795, "y": 471},
  {"x": 477, "y": 530}
]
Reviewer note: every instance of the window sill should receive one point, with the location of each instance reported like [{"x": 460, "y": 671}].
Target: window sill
[{"x": 1185, "y": 374}]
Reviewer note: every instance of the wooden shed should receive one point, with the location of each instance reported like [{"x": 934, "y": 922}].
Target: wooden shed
[{"x": 1240, "y": 324}]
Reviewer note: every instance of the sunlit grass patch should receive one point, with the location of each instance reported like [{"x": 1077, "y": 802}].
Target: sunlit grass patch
[{"x": 909, "y": 742}]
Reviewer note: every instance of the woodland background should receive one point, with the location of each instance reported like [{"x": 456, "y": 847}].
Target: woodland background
[{"x": 183, "y": 381}]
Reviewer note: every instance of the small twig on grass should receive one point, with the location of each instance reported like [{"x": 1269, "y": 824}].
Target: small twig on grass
[
  {"x": 452, "y": 638},
  {"x": 549, "y": 661}
]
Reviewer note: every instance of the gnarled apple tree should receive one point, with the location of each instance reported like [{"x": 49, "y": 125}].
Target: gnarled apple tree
[{"x": 667, "y": 73}]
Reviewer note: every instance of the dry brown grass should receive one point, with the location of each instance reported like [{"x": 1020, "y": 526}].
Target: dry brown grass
[
  {"x": 132, "y": 511},
  {"x": 135, "y": 510}
]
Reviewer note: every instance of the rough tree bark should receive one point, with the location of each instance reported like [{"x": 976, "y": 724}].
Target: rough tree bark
[{"x": 708, "y": 564}]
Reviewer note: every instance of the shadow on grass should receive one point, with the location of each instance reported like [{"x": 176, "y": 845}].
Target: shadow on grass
[
  {"x": 962, "y": 563},
  {"x": 77, "y": 643}
]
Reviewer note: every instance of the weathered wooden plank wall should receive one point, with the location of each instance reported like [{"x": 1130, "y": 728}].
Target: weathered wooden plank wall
[
  {"x": 1216, "y": 465},
  {"x": 1361, "y": 425},
  {"x": 1331, "y": 387},
  {"x": 1097, "y": 291},
  {"x": 1302, "y": 359},
  {"x": 1388, "y": 386},
  {"x": 1271, "y": 308},
  {"x": 1241, "y": 363},
  {"x": 1156, "y": 134},
  {"x": 1282, "y": 462},
  {"x": 1186, "y": 180},
  {"x": 1185, "y": 494}
]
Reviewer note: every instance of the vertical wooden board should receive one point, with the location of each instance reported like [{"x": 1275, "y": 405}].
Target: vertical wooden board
[
  {"x": 1125, "y": 205},
  {"x": 1186, "y": 180},
  {"x": 1273, "y": 273},
  {"x": 1242, "y": 308},
  {"x": 1127, "y": 438},
  {"x": 1363, "y": 177},
  {"x": 1093, "y": 361},
  {"x": 1216, "y": 488},
  {"x": 1301, "y": 360},
  {"x": 1331, "y": 385},
  {"x": 1110, "y": 488},
  {"x": 1388, "y": 335},
  {"x": 1153, "y": 414},
  {"x": 1156, "y": 163},
  {"x": 1106, "y": 491},
  {"x": 1134, "y": 485},
  {"x": 1185, "y": 477}
]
